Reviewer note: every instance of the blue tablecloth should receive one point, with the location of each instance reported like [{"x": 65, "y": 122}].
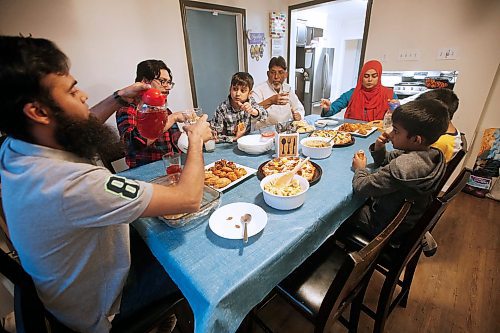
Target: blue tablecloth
[{"x": 223, "y": 279}]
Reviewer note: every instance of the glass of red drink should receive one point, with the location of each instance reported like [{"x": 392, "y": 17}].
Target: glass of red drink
[{"x": 173, "y": 166}]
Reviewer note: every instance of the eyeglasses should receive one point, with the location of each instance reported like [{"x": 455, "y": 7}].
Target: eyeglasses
[
  {"x": 277, "y": 73},
  {"x": 165, "y": 82}
]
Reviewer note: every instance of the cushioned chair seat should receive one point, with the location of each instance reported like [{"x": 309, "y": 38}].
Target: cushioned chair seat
[{"x": 312, "y": 280}]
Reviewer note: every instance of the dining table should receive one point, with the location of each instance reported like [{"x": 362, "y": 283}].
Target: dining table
[{"x": 223, "y": 279}]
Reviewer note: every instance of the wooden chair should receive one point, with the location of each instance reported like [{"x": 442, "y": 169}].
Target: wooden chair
[
  {"x": 32, "y": 317},
  {"x": 392, "y": 261},
  {"x": 453, "y": 163},
  {"x": 331, "y": 279}
]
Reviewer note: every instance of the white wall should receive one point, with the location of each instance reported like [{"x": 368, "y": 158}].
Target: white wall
[
  {"x": 472, "y": 27},
  {"x": 106, "y": 39},
  {"x": 490, "y": 117}
]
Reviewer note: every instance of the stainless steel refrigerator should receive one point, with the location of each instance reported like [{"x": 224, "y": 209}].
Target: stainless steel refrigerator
[{"x": 313, "y": 76}]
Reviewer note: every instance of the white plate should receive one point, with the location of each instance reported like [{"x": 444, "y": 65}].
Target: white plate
[
  {"x": 357, "y": 134},
  {"x": 250, "y": 172},
  {"x": 225, "y": 221},
  {"x": 323, "y": 122}
]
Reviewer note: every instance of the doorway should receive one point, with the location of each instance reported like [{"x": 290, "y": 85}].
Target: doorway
[
  {"x": 336, "y": 28},
  {"x": 209, "y": 31}
]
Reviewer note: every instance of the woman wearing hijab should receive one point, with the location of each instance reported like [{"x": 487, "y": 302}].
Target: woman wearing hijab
[{"x": 368, "y": 101}]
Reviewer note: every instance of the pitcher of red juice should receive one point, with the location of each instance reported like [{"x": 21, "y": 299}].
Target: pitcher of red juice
[{"x": 151, "y": 114}]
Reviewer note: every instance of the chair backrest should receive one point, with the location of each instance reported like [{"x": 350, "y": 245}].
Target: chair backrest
[
  {"x": 412, "y": 241},
  {"x": 28, "y": 309},
  {"x": 107, "y": 163},
  {"x": 30, "y": 314},
  {"x": 356, "y": 269},
  {"x": 453, "y": 163}
]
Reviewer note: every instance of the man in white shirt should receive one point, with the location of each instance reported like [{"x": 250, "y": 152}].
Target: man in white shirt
[{"x": 276, "y": 96}]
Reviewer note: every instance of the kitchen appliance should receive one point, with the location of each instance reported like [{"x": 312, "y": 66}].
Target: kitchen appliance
[
  {"x": 405, "y": 89},
  {"x": 313, "y": 76}
]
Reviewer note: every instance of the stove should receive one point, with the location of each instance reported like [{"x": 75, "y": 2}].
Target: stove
[{"x": 409, "y": 88}]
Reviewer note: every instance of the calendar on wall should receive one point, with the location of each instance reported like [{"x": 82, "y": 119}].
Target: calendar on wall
[{"x": 277, "y": 27}]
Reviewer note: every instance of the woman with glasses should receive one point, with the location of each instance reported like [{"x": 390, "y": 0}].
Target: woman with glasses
[{"x": 140, "y": 150}]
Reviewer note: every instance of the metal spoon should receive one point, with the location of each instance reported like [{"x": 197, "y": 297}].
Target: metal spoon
[{"x": 245, "y": 219}]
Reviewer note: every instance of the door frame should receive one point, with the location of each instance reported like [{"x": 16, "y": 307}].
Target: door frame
[
  {"x": 184, "y": 5},
  {"x": 319, "y": 2}
]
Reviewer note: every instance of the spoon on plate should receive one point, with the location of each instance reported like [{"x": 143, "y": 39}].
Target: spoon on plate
[
  {"x": 333, "y": 137},
  {"x": 245, "y": 219}
]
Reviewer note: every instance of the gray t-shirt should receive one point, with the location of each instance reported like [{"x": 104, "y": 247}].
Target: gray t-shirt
[{"x": 68, "y": 220}]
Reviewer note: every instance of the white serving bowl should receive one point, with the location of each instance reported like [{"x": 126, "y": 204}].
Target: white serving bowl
[
  {"x": 284, "y": 203},
  {"x": 254, "y": 144},
  {"x": 316, "y": 153}
]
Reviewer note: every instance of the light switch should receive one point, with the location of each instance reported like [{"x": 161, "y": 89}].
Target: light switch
[{"x": 447, "y": 53}]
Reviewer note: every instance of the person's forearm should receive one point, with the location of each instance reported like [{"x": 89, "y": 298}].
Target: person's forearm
[
  {"x": 105, "y": 108},
  {"x": 193, "y": 174},
  {"x": 266, "y": 103}
]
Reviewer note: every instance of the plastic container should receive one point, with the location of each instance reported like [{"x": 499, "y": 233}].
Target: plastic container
[
  {"x": 254, "y": 144},
  {"x": 387, "y": 124},
  {"x": 209, "y": 202}
]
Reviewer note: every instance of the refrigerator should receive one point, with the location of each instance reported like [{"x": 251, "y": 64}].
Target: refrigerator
[{"x": 313, "y": 76}]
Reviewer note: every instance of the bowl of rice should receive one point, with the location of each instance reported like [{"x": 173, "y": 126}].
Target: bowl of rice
[{"x": 286, "y": 198}]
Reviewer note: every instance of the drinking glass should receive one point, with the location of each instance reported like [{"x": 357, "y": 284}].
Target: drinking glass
[
  {"x": 192, "y": 115},
  {"x": 173, "y": 166},
  {"x": 210, "y": 144}
]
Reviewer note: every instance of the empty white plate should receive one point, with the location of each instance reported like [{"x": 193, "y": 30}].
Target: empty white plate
[{"x": 226, "y": 221}]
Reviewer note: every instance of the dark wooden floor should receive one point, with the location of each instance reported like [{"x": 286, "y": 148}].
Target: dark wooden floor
[{"x": 457, "y": 290}]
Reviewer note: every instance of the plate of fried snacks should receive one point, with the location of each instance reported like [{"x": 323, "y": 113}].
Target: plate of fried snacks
[
  {"x": 223, "y": 174},
  {"x": 302, "y": 126},
  {"x": 340, "y": 139},
  {"x": 359, "y": 129}
]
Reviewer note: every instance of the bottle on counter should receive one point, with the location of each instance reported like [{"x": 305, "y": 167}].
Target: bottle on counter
[{"x": 387, "y": 125}]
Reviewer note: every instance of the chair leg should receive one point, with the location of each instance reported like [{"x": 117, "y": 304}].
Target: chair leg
[
  {"x": 356, "y": 306},
  {"x": 408, "y": 278},
  {"x": 384, "y": 302}
]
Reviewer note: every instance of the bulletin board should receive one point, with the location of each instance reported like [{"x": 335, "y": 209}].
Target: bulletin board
[{"x": 277, "y": 24}]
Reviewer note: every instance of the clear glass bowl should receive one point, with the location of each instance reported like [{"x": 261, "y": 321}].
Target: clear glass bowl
[{"x": 209, "y": 202}]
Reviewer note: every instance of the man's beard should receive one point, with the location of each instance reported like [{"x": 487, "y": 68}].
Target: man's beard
[{"x": 87, "y": 138}]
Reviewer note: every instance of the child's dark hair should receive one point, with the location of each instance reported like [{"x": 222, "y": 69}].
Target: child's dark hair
[
  {"x": 277, "y": 61},
  {"x": 427, "y": 118},
  {"x": 243, "y": 79},
  {"x": 447, "y": 96}
]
